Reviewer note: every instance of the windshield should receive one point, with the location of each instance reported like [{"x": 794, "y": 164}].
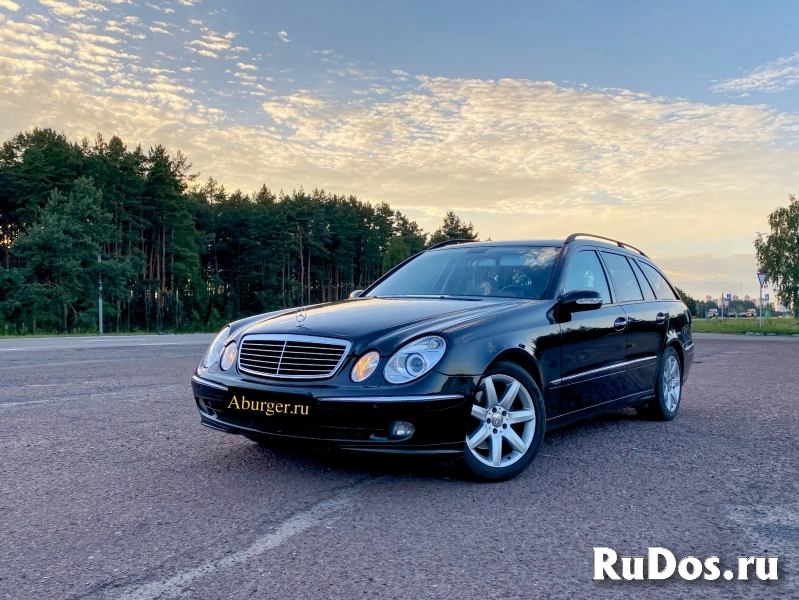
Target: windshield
[{"x": 499, "y": 271}]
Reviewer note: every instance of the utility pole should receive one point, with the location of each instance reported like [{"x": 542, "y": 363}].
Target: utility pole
[{"x": 100, "y": 300}]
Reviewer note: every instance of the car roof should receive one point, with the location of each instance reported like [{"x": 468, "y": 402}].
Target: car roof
[
  {"x": 548, "y": 243},
  {"x": 555, "y": 243}
]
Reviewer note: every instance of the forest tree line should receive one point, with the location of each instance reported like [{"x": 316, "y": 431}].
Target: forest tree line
[{"x": 174, "y": 253}]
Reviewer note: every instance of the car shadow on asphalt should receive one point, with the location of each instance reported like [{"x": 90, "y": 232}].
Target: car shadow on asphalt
[
  {"x": 362, "y": 463},
  {"x": 359, "y": 464}
]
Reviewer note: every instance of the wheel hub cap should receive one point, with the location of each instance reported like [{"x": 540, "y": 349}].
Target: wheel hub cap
[{"x": 497, "y": 419}]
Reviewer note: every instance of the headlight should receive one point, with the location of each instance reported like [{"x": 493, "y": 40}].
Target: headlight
[
  {"x": 215, "y": 349},
  {"x": 229, "y": 356},
  {"x": 365, "y": 366},
  {"x": 415, "y": 359}
]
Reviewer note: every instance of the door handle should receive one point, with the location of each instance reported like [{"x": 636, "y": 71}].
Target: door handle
[
  {"x": 660, "y": 318},
  {"x": 620, "y": 324}
]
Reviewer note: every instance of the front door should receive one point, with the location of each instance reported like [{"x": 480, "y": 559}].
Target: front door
[{"x": 593, "y": 342}]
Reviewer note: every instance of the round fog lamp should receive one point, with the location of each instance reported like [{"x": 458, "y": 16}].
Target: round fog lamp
[
  {"x": 365, "y": 366},
  {"x": 400, "y": 430}
]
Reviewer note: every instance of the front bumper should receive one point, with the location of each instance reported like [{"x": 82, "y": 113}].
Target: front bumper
[{"x": 351, "y": 419}]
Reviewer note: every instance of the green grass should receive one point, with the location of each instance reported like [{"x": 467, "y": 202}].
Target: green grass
[{"x": 781, "y": 326}]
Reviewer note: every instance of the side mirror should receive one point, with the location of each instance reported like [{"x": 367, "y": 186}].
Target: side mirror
[
  {"x": 581, "y": 300},
  {"x": 356, "y": 294}
]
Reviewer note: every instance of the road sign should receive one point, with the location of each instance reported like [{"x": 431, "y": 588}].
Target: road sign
[
  {"x": 762, "y": 278},
  {"x": 729, "y": 297},
  {"x": 766, "y": 297}
]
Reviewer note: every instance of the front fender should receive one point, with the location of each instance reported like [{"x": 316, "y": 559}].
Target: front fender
[{"x": 473, "y": 349}]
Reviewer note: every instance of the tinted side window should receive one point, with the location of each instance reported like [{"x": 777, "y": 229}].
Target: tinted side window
[
  {"x": 623, "y": 277},
  {"x": 586, "y": 273},
  {"x": 645, "y": 287},
  {"x": 659, "y": 284}
]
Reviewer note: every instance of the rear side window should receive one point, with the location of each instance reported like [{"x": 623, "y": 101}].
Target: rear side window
[
  {"x": 645, "y": 287},
  {"x": 662, "y": 288},
  {"x": 586, "y": 273},
  {"x": 623, "y": 278}
]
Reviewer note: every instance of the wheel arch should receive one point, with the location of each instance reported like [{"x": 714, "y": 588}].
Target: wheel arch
[
  {"x": 674, "y": 342},
  {"x": 524, "y": 360}
]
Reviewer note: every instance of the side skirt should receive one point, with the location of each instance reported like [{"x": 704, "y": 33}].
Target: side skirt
[{"x": 592, "y": 411}]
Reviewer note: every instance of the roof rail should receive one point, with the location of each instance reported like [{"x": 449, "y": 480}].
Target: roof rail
[
  {"x": 449, "y": 243},
  {"x": 574, "y": 236}
]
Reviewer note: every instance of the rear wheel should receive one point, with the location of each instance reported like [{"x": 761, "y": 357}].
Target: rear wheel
[
  {"x": 668, "y": 389},
  {"x": 507, "y": 424}
]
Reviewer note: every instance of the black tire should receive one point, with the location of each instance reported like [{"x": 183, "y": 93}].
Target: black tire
[
  {"x": 662, "y": 407},
  {"x": 534, "y": 432}
]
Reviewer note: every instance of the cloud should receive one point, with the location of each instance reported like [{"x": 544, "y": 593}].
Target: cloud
[
  {"x": 80, "y": 9},
  {"x": 188, "y": 2},
  {"x": 283, "y": 36},
  {"x": 9, "y": 5},
  {"x": 776, "y": 76},
  {"x": 519, "y": 158}
]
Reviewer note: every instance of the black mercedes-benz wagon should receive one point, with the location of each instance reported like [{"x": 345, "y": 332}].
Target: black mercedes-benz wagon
[{"x": 469, "y": 349}]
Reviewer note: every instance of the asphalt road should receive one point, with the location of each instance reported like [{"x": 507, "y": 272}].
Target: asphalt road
[{"x": 110, "y": 488}]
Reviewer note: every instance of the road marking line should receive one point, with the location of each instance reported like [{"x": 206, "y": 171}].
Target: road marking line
[
  {"x": 294, "y": 525},
  {"x": 7, "y": 404}
]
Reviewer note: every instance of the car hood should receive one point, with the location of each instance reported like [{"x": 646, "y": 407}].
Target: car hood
[{"x": 382, "y": 322}]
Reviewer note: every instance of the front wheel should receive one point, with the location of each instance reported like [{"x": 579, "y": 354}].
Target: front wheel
[{"x": 507, "y": 424}]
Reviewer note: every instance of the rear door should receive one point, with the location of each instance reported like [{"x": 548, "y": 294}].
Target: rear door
[
  {"x": 646, "y": 322},
  {"x": 593, "y": 342}
]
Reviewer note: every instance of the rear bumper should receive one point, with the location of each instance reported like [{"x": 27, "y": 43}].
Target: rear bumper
[
  {"x": 688, "y": 358},
  {"x": 346, "y": 421}
]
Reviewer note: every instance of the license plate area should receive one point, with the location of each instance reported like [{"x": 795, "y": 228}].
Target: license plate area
[{"x": 265, "y": 407}]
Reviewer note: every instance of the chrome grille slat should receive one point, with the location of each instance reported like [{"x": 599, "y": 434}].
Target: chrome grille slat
[
  {"x": 261, "y": 362},
  {"x": 287, "y": 356}
]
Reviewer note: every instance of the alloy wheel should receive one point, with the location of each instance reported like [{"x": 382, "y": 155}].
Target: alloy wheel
[
  {"x": 505, "y": 421},
  {"x": 672, "y": 381}
]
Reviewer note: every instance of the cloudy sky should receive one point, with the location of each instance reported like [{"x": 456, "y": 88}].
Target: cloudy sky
[{"x": 672, "y": 127}]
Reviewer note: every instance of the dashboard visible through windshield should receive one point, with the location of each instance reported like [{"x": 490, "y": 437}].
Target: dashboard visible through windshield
[{"x": 499, "y": 271}]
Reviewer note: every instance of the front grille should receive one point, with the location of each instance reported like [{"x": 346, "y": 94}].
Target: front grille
[{"x": 291, "y": 356}]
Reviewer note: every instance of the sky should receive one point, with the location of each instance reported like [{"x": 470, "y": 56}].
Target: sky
[{"x": 671, "y": 126}]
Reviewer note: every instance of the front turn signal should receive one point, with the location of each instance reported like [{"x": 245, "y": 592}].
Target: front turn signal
[{"x": 365, "y": 366}]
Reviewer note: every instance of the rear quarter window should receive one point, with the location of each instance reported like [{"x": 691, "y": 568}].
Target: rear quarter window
[{"x": 662, "y": 288}]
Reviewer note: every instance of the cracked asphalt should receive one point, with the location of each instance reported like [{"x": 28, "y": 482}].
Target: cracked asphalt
[{"x": 110, "y": 488}]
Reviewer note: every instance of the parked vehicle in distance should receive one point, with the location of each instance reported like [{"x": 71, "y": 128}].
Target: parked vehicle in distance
[
  {"x": 712, "y": 313},
  {"x": 732, "y": 315},
  {"x": 469, "y": 350},
  {"x": 751, "y": 312}
]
